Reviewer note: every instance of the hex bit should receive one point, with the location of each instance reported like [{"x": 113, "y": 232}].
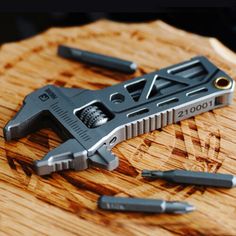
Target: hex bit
[
  {"x": 192, "y": 177},
  {"x": 97, "y": 59},
  {"x": 143, "y": 205}
]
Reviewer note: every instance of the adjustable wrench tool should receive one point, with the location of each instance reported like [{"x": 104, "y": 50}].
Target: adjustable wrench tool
[{"x": 92, "y": 122}]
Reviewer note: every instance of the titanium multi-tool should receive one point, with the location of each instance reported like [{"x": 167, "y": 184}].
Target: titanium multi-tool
[{"x": 92, "y": 122}]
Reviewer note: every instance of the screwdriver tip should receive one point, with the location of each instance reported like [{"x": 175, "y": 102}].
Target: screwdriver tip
[
  {"x": 133, "y": 66},
  {"x": 179, "y": 207},
  {"x": 234, "y": 181},
  {"x": 146, "y": 173},
  {"x": 190, "y": 208},
  {"x": 152, "y": 174}
]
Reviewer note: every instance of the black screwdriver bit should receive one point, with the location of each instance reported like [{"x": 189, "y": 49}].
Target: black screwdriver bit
[
  {"x": 143, "y": 205},
  {"x": 97, "y": 59},
  {"x": 192, "y": 177}
]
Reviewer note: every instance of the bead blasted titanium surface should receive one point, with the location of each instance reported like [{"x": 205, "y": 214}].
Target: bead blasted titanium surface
[{"x": 92, "y": 122}]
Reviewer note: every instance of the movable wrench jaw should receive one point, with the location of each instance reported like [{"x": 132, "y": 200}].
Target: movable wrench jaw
[
  {"x": 71, "y": 155},
  {"x": 68, "y": 155},
  {"x": 104, "y": 159}
]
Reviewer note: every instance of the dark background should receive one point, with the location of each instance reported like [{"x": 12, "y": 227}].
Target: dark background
[{"x": 215, "y": 22}]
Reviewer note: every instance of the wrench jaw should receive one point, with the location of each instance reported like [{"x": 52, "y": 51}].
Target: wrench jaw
[
  {"x": 36, "y": 114},
  {"x": 30, "y": 117},
  {"x": 104, "y": 159},
  {"x": 27, "y": 120},
  {"x": 69, "y": 155}
]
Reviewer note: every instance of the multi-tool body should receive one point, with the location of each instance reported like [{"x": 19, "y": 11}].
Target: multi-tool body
[{"x": 92, "y": 122}]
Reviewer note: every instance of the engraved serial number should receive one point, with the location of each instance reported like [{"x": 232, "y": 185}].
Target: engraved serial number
[{"x": 194, "y": 109}]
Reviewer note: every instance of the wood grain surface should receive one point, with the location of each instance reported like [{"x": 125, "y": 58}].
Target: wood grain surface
[{"x": 65, "y": 203}]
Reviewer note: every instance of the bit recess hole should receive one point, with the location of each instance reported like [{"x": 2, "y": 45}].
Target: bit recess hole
[
  {"x": 117, "y": 98},
  {"x": 221, "y": 100},
  {"x": 222, "y": 83}
]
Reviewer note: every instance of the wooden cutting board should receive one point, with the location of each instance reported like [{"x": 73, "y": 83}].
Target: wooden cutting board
[{"x": 65, "y": 203}]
